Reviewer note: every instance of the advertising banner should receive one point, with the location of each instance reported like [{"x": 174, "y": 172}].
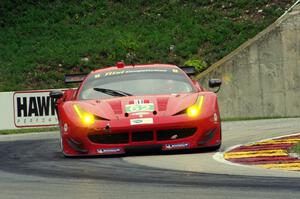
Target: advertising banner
[
  {"x": 23, "y": 109},
  {"x": 33, "y": 109}
]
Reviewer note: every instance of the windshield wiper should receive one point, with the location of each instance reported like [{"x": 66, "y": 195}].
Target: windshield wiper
[{"x": 112, "y": 92}]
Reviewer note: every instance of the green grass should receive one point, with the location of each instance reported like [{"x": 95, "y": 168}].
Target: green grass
[
  {"x": 296, "y": 149},
  {"x": 30, "y": 130},
  {"x": 42, "y": 40}
]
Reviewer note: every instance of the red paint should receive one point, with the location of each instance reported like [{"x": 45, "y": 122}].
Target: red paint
[
  {"x": 120, "y": 65},
  {"x": 262, "y": 147}
]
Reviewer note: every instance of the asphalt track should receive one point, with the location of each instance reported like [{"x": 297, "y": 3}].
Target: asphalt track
[{"x": 31, "y": 166}]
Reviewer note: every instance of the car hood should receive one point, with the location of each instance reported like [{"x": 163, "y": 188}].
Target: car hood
[{"x": 124, "y": 107}]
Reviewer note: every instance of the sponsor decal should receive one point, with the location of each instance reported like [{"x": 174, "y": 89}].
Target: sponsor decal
[
  {"x": 215, "y": 117},
  {"x": 132, "y": 108},
  {"x": 112, "y": 150},
  {"x": 147, "y": 70},
  {"x": 177, "y": 146},
  {"x": 141, "y": 121},
  {"x": 121, "y": 72},
  {"x": 34, "y": 109},
  {"x": 132, "y": 71},
  {"x": 110, "y": 73},
  {"x": 66, "y": 127}
]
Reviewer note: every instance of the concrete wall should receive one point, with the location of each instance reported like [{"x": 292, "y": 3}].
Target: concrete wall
[{"x": 262, "y": 77}]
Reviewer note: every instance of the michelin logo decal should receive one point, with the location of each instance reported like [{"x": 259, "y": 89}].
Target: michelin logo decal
[
  {"x": 177, "y": 146},
  {"x": 113, "y": 150}
]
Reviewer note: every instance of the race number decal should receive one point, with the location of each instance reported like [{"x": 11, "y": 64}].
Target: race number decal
[{"x": 132, "y": 108}]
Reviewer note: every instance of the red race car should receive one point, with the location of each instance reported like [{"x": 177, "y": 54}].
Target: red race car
[{"x": 139, "y": 107}]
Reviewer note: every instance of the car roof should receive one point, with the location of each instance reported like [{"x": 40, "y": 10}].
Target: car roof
[{"x": 139, "y": 66}]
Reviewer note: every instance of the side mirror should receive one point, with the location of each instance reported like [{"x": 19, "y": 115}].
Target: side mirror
[
  {"x": 215, "y": 83},
  {"x": 56, "y": 94}
]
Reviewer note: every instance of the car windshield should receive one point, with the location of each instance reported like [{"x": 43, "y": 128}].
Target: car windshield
[{"x": 127, "y": 82}]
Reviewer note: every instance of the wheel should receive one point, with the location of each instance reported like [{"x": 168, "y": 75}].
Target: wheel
[
  {"x": 61, "y": 144},
  {"x": 62, "y": 147}
]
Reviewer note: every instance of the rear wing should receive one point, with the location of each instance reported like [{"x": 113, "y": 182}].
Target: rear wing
[
  {"x": 189, "y": 70},
  {"x": 74, "y": 78}
]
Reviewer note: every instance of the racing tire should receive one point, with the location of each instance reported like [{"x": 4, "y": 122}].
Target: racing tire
[{"x": 214, "y": 148}]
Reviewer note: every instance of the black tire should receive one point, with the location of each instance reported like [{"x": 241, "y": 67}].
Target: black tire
[{"x": 214, "y": 148}]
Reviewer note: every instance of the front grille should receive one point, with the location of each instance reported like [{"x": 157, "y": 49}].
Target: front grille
[
  {"x": 173, "y": 134},
  {"x": 120, "y": 138},
  {"x": 143, "y": 148},
  {"x": 142, "y": 136}
]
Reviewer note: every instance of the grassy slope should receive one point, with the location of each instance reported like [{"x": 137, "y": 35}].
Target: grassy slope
[
  {"x": 42, "y": 40},
  {"x": 28, "y": 130},
  {"x": 296, "y": 149}
]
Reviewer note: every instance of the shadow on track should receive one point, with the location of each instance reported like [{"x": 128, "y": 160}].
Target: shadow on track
[{"x": 42, "y": 158}]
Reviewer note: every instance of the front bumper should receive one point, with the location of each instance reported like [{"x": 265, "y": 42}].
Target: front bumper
[{"x": 168, "y": 133}]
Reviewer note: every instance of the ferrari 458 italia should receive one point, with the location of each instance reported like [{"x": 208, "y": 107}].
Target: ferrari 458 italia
[{"x": 122, "y": 108}]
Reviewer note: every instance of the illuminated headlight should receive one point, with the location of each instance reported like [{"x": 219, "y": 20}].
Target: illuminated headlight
[
  {"x": 195, "y": 110},
  {"x": 85, "y": 117}
]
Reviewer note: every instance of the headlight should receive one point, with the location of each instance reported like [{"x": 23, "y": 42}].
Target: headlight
[
  {"x": 85, "y": 117},
  {"x": 195, "y": 110}
]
